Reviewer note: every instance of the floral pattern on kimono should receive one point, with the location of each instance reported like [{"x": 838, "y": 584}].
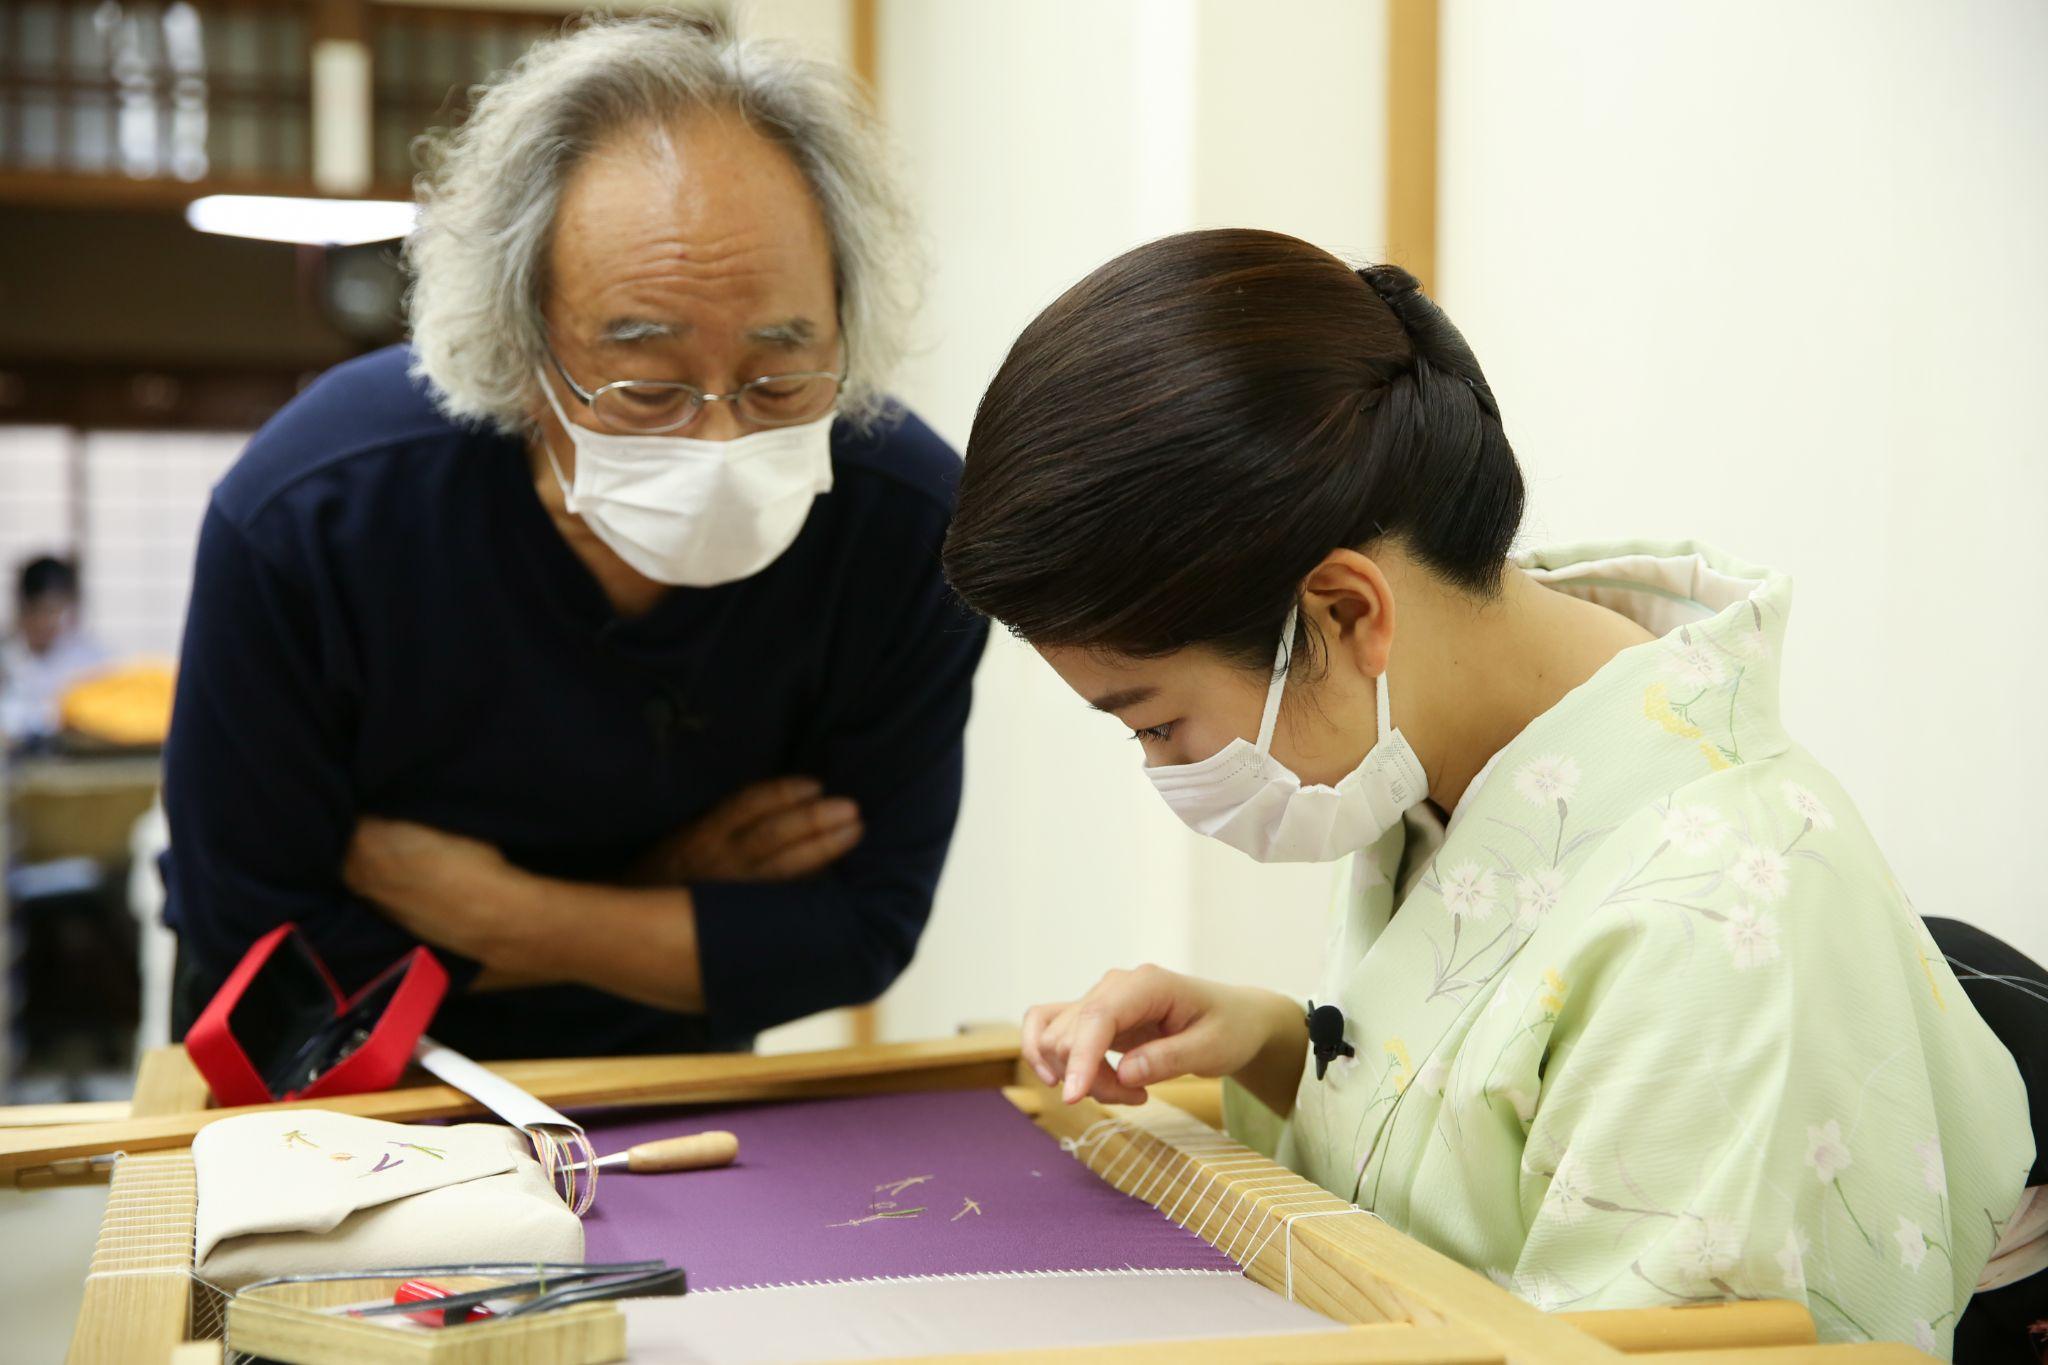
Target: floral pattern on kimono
[{"x": 1653, "y": 1023}]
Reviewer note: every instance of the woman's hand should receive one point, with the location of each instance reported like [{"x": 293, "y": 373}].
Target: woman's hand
[{"x": 1167, "y": 1025}]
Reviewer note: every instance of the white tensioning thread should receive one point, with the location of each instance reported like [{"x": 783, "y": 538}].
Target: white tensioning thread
[
  {"x": 1326, "y": 1213},
  {"x": 1207, "y": 1151}
]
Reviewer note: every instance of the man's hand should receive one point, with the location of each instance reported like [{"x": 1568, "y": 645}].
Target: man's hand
[
  {"x": 1167, "y": 1025},
  {"x": 453, "y": 892},
  {"x": 771, "y": 831}
]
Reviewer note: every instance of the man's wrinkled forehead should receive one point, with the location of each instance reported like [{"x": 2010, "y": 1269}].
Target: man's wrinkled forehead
[{"x": 735, "y": 229}]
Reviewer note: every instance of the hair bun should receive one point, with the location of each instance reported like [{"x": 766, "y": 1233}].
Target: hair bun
[
  {"x": 1402, "y": 293},
  {"x": 1390, "y": 282},
  {"x": 1437, "y": 343}
]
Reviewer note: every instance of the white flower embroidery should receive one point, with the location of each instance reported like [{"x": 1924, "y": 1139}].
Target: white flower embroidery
[
  {"x": 1543, "y": 1290},
  {"x": 1750, "y": 644},
  {"x": 1694, "y": 830},
  {"x": 1762, "y": 872},
  {"x": 1792, "y": 1258},
  {"x": 1912, "y": 1243},
  {"x": 1536, "y": 895},
  {"x": 1567, "y": 1192},
  {"x": 1708, "y": 1246},
  {"x": 1825, "y": 1151},
  {"x": 1752, "y": 936},
  {"x": 1923, "y": 1336},
  {"x": 1468, "y": 891},
  {"x": 1932, "y": 1172},
  {"x": 1697, "y": 665},
  {"x": 1432, "y": 1076},
  {"x": 1808, "y": 807},
  {"x": 1547, "y": 781}
]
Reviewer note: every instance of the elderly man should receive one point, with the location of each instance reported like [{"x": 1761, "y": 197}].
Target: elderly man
[{"x": 597, "y": 639}]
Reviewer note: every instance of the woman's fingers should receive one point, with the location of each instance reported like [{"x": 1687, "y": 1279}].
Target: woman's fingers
[
  {"x": 1035, "y": 1020},
  {"x": 1179, "y": 1054},
  {"x": 1066, "y": 1044},
  {"x": 1094, "y": 1030},
  {"x": 1124, "y": 1007},
  {"x": 1109, "y": 1090}
]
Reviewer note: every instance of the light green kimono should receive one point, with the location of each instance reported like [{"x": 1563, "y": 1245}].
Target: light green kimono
[{"x": 1653, "y": 1023}]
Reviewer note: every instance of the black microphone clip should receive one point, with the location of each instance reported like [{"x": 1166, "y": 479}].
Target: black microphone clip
[{"x": 1326, "y": 1036}]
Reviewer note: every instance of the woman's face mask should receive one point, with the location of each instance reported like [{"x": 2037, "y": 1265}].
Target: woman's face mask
[{"x": 1217, "y": 754}]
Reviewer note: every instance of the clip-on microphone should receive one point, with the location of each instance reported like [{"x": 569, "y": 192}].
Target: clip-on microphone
[{"x": 1326, "y": 1036}]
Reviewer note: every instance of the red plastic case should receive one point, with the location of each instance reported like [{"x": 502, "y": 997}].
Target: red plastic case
[{"x": 280, "y": 1028}]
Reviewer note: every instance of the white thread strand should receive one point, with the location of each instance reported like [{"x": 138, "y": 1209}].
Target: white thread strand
[
  {"x": 167, "y": 1268},
  {"x": 1187, "y": 1169},
  {"x": 1172, "y": 1173},
  {"x": 957, "y": 1275},
  {"x": 1272, "y": 1210},
  {"x": 1088, "y": 1136},
  {"x": 1325, "y": 1213},
  {"x": 1244, "y": 1189},
  {"x": 1130, "y": 1154},
  {"x": 1139, "y": 1182},
  {"x": 1235, "y": 1181},
  {"x": 1280, "y": 1221},
  {"x": 1216, "y": 1171},
  {"x": 1195, "y": 1166}
]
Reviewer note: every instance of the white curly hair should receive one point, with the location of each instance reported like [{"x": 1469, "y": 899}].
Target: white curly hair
[{"x": 489, "y": 192}]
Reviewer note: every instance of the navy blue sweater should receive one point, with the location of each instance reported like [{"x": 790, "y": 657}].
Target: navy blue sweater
[{"x": 384, "y": 620}]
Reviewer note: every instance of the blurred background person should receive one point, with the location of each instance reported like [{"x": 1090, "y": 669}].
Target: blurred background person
[{"x": 48, "y": 651}]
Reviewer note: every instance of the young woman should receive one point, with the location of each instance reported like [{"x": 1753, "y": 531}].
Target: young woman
[{"x": 1628, "y": 1009}]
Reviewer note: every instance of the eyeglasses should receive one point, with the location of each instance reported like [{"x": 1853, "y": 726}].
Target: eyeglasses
[{"x": 651, "y": 407}]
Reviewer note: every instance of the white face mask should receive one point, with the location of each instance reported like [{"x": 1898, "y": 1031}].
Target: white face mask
[
  {"x": 695, "y": 513},
  {"x": 1250, "y": 800}
]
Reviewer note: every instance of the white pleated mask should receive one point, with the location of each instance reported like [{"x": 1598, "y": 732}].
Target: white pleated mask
[
  {"x": 694, "y": 513},
  {"x": 1250, "y": 800}
]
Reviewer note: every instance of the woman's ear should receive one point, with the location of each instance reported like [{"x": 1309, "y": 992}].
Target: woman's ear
[{"x": 1353, "y": 605}]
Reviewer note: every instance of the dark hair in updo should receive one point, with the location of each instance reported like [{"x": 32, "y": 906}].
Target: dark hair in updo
[{"x": 1178, "y": 440}]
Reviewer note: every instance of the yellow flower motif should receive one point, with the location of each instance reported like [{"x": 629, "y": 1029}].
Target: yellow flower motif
[
  {"x": 1657, "y": 706},
  {"x": 1404, "y": 1068},
  {"x": 1554, "y": 992},
  {"x": 1715, "y": 758},
  {"x": 1933, "y": 985}
]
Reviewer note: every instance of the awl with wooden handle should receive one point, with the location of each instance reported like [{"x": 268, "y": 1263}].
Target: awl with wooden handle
[{"x": 696, "y": 1152}]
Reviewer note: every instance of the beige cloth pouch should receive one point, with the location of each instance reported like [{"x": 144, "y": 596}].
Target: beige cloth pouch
[{"x": 300, "y": 1190}]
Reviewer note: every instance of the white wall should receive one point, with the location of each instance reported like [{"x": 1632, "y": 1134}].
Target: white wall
[
  {"x": 1041, "y": 140},
  {"x": 1774, "y": 276}
]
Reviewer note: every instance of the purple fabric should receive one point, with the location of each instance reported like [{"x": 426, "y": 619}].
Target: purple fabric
[{"x": 815, "y": 1195}]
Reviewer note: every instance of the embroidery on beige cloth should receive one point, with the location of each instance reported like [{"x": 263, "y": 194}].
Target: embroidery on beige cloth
[{"x": 301, "y": 1190}]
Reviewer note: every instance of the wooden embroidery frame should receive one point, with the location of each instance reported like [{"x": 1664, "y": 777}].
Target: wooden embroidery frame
[{"x": 1392, "y": 1300}]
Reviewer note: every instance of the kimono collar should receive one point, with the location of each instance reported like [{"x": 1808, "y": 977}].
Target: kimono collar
[{"x": 1720, "y": 621}]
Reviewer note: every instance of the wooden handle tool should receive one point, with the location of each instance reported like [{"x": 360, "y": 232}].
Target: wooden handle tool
[{"x": 694, "y": 1152}]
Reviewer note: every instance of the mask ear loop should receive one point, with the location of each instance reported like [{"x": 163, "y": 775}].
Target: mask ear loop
[
  {"x": 547, "y": 391},
  {"x": 1274, "y": 690},
  {"x": 1385, "y": 709}
]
